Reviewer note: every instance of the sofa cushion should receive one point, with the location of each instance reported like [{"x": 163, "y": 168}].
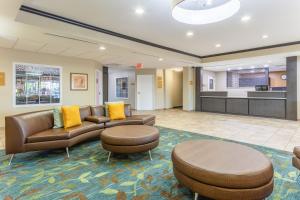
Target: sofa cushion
[
  {"x": 144, "y": 118},
  {"x": 85, "y": 111},
  {"x": 116, "y": 111},
  {"x": 83, "y": 128},
  {"x": 63, "y": 134},
  {"x": 58, "y": 118},
  {"x": 98, "y": 111},
  {"x": 48, "y": 135},
  {"x": 97, "y": 119},
  {"x": 71, "y": 116},
  {"x": 127, "y": 110},
  {"x": 127, "y": 121}
]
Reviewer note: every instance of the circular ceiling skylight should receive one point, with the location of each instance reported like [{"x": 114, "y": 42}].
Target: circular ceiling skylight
[{"x": 204, "y": 11}]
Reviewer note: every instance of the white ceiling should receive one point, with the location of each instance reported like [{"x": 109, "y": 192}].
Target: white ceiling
[
  {"x": 277, "y": 18},
  {"x": 25, "y": 31}
]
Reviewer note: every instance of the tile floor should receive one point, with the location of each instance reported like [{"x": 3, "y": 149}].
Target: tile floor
[{"x": 275, "y": 133}]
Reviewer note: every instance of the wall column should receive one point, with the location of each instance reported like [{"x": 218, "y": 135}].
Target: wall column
[
  {"x": 105, "y": 84},
  {"x": 292, "y": 87},
  {"x": 188, "y": 88},
  {"x": 198, "y": 88}
]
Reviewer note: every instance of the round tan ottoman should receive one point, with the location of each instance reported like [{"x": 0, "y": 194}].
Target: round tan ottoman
[
  {"x": 130, "y": 139},
  {"x": 223, "y": 170}
]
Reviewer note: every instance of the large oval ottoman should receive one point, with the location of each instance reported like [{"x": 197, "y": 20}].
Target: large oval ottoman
[
  {"x": 223, "y": 170},
  {"x": 130, "y": 139}
]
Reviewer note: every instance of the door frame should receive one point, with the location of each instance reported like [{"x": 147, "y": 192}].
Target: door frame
[{"x": 99, "y": 85}]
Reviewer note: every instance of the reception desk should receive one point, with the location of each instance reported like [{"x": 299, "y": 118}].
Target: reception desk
[{"x": 264, "y": 104}]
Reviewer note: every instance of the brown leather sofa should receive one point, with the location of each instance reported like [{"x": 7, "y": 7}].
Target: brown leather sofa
[{"x": 34, "y": 131}]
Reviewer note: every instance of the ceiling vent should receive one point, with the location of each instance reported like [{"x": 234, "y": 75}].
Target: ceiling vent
[{"x": 72, "y": 38}]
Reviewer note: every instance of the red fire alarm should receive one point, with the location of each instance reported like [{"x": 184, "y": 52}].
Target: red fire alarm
[{"x": 139, "y": 66}]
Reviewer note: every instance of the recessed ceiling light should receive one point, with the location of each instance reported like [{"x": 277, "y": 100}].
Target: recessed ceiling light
[
  {"x": 265, "y": 36},
  {"x": 245, "y": 18},
  {"x": 204, "y": 12},
  {"x": 139, "y": 11},
  {"x": 218, "y": 45},
  {"x": 102, "y": 48},
  {"x": 160, "y": 59},
  {"x": 190, "y": 34},
  {"x": 229, "y": 69}
]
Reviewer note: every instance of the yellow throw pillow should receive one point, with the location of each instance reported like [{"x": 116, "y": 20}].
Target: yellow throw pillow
[
  {"x": 71, "y": 116},
  {"x": 116, "y": 111}
]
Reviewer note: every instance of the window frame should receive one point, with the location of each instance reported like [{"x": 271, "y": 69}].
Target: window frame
[
  {"x": 117, "y": 86},
  {"x": 36, "y": 105}
]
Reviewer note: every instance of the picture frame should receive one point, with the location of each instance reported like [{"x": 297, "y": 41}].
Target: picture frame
[
  {"x": 2, "y": 79},
  {"x": 79, "y": 82}
]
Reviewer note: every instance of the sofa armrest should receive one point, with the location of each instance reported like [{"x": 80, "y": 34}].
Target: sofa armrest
[
  {"x": 97, "y": 119},
  {"x": 14, "y": 136}
]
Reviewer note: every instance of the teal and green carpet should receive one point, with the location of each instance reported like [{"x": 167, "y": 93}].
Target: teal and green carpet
[{"x": 87, "y": 175}]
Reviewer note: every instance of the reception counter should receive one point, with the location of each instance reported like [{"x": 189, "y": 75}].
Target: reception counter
[{"x": 264, "y": 104}]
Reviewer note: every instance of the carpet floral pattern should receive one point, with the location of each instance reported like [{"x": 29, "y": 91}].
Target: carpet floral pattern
[{"x": 87, "y": 175}]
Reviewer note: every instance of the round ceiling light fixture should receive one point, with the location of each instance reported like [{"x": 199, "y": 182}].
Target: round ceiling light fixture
[{"x": 197, "y": 12}]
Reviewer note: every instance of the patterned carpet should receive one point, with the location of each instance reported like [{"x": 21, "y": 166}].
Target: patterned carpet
[{"x": 86, "y": 175}]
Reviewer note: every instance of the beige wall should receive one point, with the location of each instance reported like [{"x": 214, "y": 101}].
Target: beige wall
[
  {"x": 173, "y": 88},
  {"x": 68, "y": 64},
  {"x": 188, "y": 100},
  {"x": 276, "y": 80},
  {"x": 160, "y": 98},
  {"x": 170, "y": 95},
  {"x": 221, "y": 85}
]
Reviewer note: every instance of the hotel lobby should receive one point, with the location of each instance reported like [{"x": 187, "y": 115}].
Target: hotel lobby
[{"x": 147, "y": 100}]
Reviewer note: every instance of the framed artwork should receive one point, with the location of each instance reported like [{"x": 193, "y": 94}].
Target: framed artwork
[
  {"x": 159, "y": 82},
  {"x": 36, "y": 85},
  {"x": 79, "y": 81},
  {"x": 2, "y": 78}
]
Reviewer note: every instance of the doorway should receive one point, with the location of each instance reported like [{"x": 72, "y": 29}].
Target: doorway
[{"x": 145, "y": 92}]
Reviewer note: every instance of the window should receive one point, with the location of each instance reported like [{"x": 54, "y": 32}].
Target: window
[
  {"x": 247, "y": 78},
  {"x": 122, "y": 87},
  {"x": 36, "y": 84}
]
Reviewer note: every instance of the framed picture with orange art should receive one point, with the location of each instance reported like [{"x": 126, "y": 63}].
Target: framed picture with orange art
[
  {"x": 79, "y": 81},
  {"x": 2, "y": 78}
]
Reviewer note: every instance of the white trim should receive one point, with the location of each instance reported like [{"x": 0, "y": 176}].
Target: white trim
[{"x": 36, "y": 65}]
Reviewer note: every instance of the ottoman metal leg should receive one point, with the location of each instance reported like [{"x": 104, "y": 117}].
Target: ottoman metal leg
[
  {"x": 109, "y": 153},
  {"x": 150, "y": 155},
  {"x": 67, "y": 150},
  {"x": 196, "y": 196},
  {"x": 11, "y": 158}
]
